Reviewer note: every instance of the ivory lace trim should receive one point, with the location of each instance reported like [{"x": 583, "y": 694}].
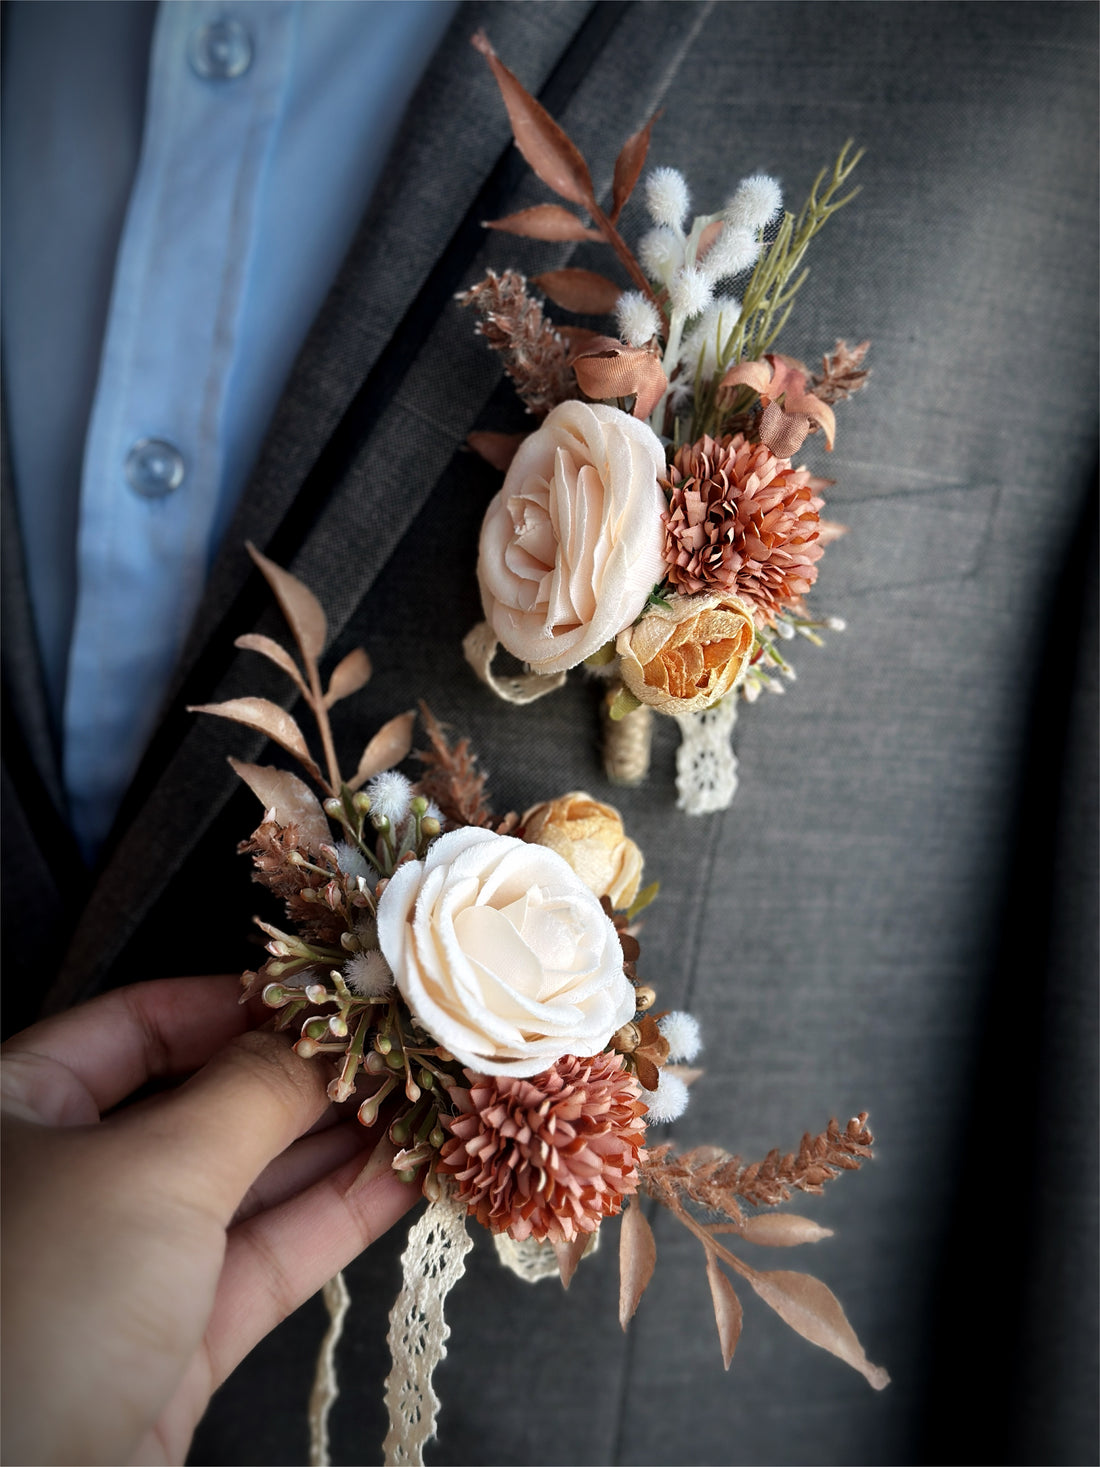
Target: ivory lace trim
[
  {"x": 325, "y": 1385},
  {"x": 533, "y": 1261},
  {"x": 432, "y": 1263},
  {"x": 706, "y": 766}
]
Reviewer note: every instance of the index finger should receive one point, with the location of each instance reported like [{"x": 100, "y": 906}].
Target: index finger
[{"x": 116, "y": 1042}]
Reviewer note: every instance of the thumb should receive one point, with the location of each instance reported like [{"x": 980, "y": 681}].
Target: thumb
[{"x": 244, "y": 1107}]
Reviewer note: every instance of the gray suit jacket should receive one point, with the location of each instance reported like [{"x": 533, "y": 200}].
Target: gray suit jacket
[{"x": 894, "y": 914}]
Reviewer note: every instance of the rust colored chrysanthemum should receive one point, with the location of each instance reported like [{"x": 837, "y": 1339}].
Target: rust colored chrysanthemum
[
  {"x": 742, "y": 520},
  {"x": 550, "y": 1156}
]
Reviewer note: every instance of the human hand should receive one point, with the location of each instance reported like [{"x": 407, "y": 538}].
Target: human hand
[{"x": 147, "y": 1252}]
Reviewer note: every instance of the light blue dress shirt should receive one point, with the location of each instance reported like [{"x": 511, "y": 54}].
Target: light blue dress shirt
[{"x": 155, "y": 300}]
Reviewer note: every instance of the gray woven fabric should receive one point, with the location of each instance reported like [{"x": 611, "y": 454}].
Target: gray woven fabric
[{"x": 896, "y": 913}]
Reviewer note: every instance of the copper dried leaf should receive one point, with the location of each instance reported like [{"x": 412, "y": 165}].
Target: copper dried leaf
[
  {"x": 578, "y": 337},
  {"x": 815, "y": 1313},
  {"x": 553, "y": 156},
  {"x": 389, "y": 746},
  {"x": 298, "y": 604},
  {"x": 582, "y": 291},
  {"x": 292, "y": 800},
  {"x": 688, "y": 1073},
  {"x": 274, "y": 652},
  {"x": 569, "y": 1255},
  {"x": 782, "y": 1230},
  {"x": 727, "y": 1308},
  {"x": 498, "y": 449},
  {"x": 608, "y": 369},
  {"x": 629, "y": 165},
  {"x": 637, "y": 1259},
  {"x": 348, "y": 676},
  {"x": 266, "y": 718},
  {"x": 544, "y": 221}
]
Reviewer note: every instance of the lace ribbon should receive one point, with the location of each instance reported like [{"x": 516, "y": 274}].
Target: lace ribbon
[
  {"x": 325, "y": 1385},
  {"x": 706, "y": 766},
  {"x": 433, "y": 1262},
  {"x": 533, "y": 1261},
  {"x": 480, "y": 647}
]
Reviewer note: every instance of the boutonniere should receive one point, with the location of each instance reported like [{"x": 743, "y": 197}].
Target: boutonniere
[
  {"x": 475, "y": 982},
  {"x": 655, "y": 528}
]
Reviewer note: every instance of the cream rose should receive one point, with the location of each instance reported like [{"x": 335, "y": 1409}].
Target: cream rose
[
  {"x": 590, "y": 837},
  {"x": 685, "y": 659},
  {"x": 573, "y": 543},
  {"x": 503, "y": 954}
]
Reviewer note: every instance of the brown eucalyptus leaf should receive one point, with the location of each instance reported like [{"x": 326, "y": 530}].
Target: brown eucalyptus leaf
[
  {"x": 498, "y": 449},
  {"x": 629, "y": 165},
  {"x": 292, "y": 800},
  {"x": 637, "y": 1259},
  {"x": 569, "y": 1255},
  {"x": 553, "y": 156},
  {"x": 544, "y": 221},
  {"x": 348, "y": 676},
  {"x": 266, "y": 718},
  {"x": 815, "y": 1313},
  {"x": 274, "y": 652},
  {"x": 388, "y": 747},
  {"x": 782, "y": 1230},
  {"x": 727, "y": 1308},
  {"x": 298, "y": 604},
  {"x": 582, "y": 291}
]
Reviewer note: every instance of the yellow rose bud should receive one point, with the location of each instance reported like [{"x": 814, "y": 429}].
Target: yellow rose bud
[
  {"x": 590, "y": 837},
  {"x": 686, "y": 658}
]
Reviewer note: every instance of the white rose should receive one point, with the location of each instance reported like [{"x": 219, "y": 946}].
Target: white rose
[
  {"x": 503, "y": 954},
  {"x": 573, "y": 543}
]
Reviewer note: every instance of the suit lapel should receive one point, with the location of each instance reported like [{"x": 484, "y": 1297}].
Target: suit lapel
[
  {"x": 375, "y": 409},
  {"x": 454, "y": 138}
]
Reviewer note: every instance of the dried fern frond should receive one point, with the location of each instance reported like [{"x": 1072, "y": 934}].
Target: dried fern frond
[
  {"x": 452, "y": 778},
  {"x": 535, "y": 355},
  {"x": 714, "y": 1180}
]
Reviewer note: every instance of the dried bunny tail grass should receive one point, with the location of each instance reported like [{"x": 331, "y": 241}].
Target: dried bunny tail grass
[
  {"x": 667, "y": 197},
  {"x": 535, "y": 355},
  {"x": 714, "y": 1180},
  {"x": 756, "y": 203},
  {"x": 637, "y": 320}
]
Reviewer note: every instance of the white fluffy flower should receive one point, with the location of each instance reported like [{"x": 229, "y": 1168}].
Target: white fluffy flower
[
  {"x": 662, "y": 253},
  {"x": 682, "y": 1032},
  {"x": 758, "y": 199},
  {"x": 733, "y": 251},
  {"x": 701, "y": 343},
  {"x": 669, "y": 1101},
  {"x": 368, "y": 975},
  {"x": 390, "y": 794},
  {"x": 666, "y": 197},
  {"x": 689, "y": 291},
  {"x": 503, "y": 954},
  {"x": 351, "y": 861},
  {"x": 637, "y": 319}
]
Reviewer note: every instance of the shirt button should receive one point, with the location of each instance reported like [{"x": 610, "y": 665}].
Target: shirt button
[
  {"x": 154, "y": 468},
  {"x": 221, "y": 51}
]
